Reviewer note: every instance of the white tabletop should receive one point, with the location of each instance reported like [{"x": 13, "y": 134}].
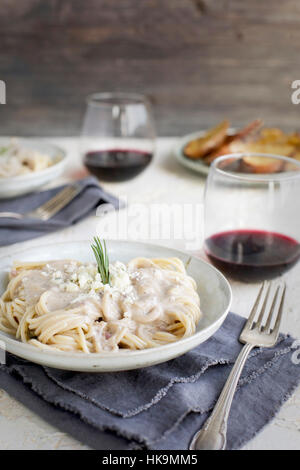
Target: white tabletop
[{"x": 163, "y": 182}]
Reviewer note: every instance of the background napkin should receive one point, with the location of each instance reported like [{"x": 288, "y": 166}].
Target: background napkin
[
  {"x": 13, "y": 230},
  {"x": 160, "y": 407}
]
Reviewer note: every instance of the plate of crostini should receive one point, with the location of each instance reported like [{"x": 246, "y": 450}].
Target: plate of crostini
[{"x": 198, "y": 150}]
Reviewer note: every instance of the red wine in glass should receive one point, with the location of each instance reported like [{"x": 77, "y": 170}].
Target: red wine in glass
[
  {"x": 117, "y": 164},
  {"x": 252, "y": 255}
]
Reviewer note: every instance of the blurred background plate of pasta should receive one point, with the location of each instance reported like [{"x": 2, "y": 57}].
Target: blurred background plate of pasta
[
  {"x": 213, "y": 289},
  {"x": 27, "y": 164}
]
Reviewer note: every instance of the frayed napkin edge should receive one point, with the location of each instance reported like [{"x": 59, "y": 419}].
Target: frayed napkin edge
[{"x": 162, "y": 392}]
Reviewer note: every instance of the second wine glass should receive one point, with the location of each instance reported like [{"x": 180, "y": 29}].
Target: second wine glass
[
  {"x": 252, "y": 225},
  {"x": 117, "y": 138}
]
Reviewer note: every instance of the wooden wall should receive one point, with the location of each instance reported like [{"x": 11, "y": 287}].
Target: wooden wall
[{"x": 198, "y": 60}]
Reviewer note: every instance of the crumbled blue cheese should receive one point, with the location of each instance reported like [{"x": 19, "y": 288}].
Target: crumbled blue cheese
[
  {"x": 87, "y": 281},
  {"x": 57, "y": 275},
  {"x": 70, "y": 287},
  {"x": 119, "y": 277},
  {"x": 86, "y": 278},
  {"x": 70, "y": 267},
  {"x": 136, "y": 275}
]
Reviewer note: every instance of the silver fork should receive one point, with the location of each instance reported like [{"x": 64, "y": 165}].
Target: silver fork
[
  {"x": 51, "y": 207},
  {"x": 212, "y": 436}
]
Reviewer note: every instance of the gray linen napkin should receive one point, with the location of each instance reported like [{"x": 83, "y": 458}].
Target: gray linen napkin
[
  {"x": 14, "y": 231},
  {"x": 160, "y": 407}
]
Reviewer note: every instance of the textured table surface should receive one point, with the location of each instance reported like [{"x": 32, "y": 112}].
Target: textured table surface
[{"x": 163, "y": 182}]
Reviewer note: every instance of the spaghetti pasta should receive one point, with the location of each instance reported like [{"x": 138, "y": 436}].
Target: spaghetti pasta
[
  {"x": 63, "y": 305},
  {"x": 16, "y": 160}
]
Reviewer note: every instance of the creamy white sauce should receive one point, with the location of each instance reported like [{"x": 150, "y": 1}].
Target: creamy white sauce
[{"x": 142, "y": 299}]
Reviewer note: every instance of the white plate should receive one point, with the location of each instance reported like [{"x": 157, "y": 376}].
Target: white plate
[
  {"x": 23, "y": 184},
  {"x": 214, "y": 290},
  {"x": 195, "y": 165}
]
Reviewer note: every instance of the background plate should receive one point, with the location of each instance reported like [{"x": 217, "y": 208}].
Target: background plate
[{"x": 23, "y": 184}]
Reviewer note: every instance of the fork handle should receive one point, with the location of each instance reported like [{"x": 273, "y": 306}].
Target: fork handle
[
  {"x": 11, "y": 215},
  {"x": 212, "y": 436}
]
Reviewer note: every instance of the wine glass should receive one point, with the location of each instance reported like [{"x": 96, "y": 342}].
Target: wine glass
[
  {"x": 252, "y": 215},
  {"x": 117, "y": 138}
]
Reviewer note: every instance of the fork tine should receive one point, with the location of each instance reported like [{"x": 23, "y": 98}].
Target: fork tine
[
  {"x": 254, "y": 308},
  {"x": 52, "y": 201},
  {"x": 280, "y": 311},
  {"x": 270, "y": 316},
  {"x": 50, "y": 208},
  {"x": 55, "y": 199},
  {"x": 263, "y": 308},
  {"x": 60, "y": 203}
]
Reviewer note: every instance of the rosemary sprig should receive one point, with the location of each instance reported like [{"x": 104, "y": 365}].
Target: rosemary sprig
[{"x": 101, "y": 256}]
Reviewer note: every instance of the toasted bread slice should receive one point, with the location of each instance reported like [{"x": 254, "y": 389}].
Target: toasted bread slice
[
  {"x": 262, "y": 164},
  {"x": 213, "y": 138},
  {"x": 239, "y": 136},
  {"x": 218, "y": 152},
  {"x": 286, "y": 150}
]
